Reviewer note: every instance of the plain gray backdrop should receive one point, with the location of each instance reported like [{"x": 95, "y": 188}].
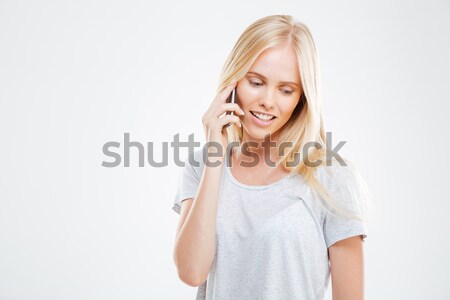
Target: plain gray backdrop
[{"x": 77, "y": 74}]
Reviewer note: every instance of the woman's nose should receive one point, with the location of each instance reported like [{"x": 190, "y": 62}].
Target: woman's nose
[{"x": 267, "y": 100}]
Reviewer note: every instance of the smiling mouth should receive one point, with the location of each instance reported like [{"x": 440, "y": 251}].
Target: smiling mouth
[{"x": 263, "y": 117}]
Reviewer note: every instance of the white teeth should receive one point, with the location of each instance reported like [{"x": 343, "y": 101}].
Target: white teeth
[{"x": 263, "y": 117}]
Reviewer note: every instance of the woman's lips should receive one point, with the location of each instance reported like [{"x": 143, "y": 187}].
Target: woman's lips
[{"x": 260, "y": 122}]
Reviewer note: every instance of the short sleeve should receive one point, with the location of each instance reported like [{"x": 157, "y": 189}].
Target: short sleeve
[
  {"x": 188, "y": 183},
  {"x": 344, "y": 188}
]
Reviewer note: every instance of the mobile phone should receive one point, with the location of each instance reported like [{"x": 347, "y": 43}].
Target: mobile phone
[{"x": 231, "y": 99}]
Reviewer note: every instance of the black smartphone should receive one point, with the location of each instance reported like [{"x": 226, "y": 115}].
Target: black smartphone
[{"x": 231, "y": 99}]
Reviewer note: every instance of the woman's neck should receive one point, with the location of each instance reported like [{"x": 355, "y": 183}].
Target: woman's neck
[{"x": 267, "y": 147}]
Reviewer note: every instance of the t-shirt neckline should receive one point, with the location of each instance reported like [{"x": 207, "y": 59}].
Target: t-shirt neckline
[{"x": 251, "y": 187}]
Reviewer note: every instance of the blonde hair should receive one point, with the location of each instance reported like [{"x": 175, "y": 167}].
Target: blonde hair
[{"x": 306, "y": 122}]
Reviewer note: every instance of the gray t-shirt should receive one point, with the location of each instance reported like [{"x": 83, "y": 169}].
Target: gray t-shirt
[{"x": 272, "y": 240}]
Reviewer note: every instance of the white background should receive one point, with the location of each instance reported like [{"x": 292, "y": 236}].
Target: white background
[{"x": 77, "y": 74}]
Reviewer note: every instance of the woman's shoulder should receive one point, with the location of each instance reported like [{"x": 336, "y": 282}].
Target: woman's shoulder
[
  {"x": 345, "y": 183},
  {"x": 195, "y": 158},
  {"x": 198, "y": 158},
  {"x": 335, "y": 173},
  {"x": 193, "y": 162}
]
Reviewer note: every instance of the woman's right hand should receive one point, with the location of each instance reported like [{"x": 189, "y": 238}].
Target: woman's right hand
[{"x": 213, "y": 125}]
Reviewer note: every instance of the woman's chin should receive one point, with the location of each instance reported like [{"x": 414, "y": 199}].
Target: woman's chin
[{"x": 257, "y": 134}]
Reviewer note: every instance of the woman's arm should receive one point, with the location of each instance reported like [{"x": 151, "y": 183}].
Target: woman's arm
[
  {"x": 196, "y": 233},
  {"x": 195, "y": 243},
  {"x": 347, "y": 269}
]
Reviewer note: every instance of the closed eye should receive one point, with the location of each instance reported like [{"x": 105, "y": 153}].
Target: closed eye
[{"x": 257, "y": 84}]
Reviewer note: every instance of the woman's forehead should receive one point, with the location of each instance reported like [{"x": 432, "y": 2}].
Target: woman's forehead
[{"x": 278, "y": 64}]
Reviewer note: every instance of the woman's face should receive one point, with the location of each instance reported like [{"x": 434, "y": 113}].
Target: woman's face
[{"x": 271, "y": 87}]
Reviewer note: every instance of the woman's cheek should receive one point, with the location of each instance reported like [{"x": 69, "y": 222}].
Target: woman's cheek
[
  {"x": 246, "y": 96},
  {"x": 252, "y": 92}
]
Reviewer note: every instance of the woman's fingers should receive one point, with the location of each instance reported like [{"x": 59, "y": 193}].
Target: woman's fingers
[
  {"x": 228, "y": 119},
  {"x": 216, "y": 118},
  {"x": 219, "y": 106},
  {"x": 225, "y": 92},
  {"x": 227, "y": 107}
]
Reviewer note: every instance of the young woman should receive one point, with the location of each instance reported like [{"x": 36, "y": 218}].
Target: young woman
[{"x": 257, "y": 225}]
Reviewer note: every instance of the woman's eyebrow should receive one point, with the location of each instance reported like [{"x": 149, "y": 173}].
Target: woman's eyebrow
[{"x": 262, "y": 76}]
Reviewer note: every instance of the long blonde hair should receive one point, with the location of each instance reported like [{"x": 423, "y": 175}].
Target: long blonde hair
[{"x": 306, "y": 122}]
